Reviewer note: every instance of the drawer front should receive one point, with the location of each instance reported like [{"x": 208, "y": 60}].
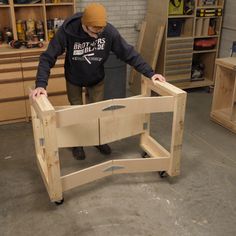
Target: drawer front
[
  {"x": 11, "y": 90},
  {"x": 178, "y": 62},
  {"x": 179, "y": 49},
  {"x": 12, "y": 110},
  {"x": 179, "y": 46},
  {"x": 179, "y": 71},
  {"x": 56, "y": 71},
  {"x": 12, "y": 76},
  {"x": 54, "y": 85},
  {"x": 10, "y": 64},
  {"x": 180, "y": 41},
  {"x": 181, "y": 76},
  {"x": 32, "y": 63}
]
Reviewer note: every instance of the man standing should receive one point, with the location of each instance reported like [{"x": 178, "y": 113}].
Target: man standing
[{"x": 87, "y": 39}]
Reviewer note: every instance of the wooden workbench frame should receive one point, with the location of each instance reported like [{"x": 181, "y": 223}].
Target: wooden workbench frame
[{"x": 93, "y": 124}]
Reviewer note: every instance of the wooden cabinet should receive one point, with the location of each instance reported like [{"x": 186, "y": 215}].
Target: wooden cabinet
[
  {"x": 191, "y": 42},
  {"x": 12, "y": 103},
  {"x": 18, "y": 67},
  {"x": 224, "y": 99},
  {"x": 17, "y": 76}
]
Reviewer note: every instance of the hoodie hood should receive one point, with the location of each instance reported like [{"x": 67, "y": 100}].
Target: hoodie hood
[{"x": 73, "y": 26}]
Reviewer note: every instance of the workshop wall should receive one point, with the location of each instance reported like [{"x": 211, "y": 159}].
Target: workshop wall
[
  {"x": 124, "y": 15},
  {"x": 229, "y": 28}
]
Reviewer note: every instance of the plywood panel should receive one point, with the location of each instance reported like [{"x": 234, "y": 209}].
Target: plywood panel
[
  {"x": 83, "y": 134},
  {"x": 118, "y": 127}
]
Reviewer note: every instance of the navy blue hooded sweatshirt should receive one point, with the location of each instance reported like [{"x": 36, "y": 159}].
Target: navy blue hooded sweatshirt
[{"x": 85, "y": 56}]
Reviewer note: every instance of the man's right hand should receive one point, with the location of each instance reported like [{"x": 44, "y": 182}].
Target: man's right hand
[{"x": 37, "y": 92}]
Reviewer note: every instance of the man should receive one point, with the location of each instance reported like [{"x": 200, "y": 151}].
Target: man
[{"x": 87, "y": 39}]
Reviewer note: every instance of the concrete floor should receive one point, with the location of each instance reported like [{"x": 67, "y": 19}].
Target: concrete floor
[{"x": 201, "y": 202}]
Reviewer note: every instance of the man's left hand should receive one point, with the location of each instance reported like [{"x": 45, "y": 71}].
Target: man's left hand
[{"x": 157, "y": 77}]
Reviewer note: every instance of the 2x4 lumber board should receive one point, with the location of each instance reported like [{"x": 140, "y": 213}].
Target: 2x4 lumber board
[
  {"x": 164, "y": 88},
  {"x": 177, "y": 134},
  {"x": 38, "y": 134},
  {"x": 39, "y": 152},
  {"x": 43, "y": 168},
  {"x": 140, "y": 165},
  {"x": 42, "y": 106},
  {"x": 152, "y": 147},
  {"x": 52, "y": 157},
  {"x": 82, "y": 134},
  {"x": 85, "y": 176},
  {"x": 44, "y": 177},
  {"x": 128, "y": 106}
]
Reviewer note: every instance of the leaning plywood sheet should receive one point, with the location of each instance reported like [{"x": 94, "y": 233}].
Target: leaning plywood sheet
[{"x": 149, "y": 44}]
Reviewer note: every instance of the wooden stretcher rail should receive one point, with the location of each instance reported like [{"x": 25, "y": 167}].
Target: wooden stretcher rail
[{"x": 127, "y": 106}]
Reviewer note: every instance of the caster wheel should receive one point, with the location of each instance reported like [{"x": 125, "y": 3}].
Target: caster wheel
[
  {"x": 162, "y": 174},
  {"x": 144, "y": 155},
  {"x": 59, "y": 202},
  {"x": 210, "y": 89}
]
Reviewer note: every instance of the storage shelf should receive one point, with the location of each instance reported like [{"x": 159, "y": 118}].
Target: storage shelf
[
  {"x": 38, "y": 10},
  {"x": 59, "y": 4},
  {"x": 194, "y": 84},
  {"x": 29, "y": 5},
  {"x": 204, "y": 51},
  {"x": 178, "y": 38},
  {"x": 208, "y": 17},
  {"x": 181, "y": 16},
  {"x": 210, "y": 7},
  {"x": 207, "y": 36},
  {"x": 4, "y": 6}
]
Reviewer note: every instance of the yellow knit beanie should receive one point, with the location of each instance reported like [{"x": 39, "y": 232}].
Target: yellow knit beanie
[{"x": 94, "y": 15}]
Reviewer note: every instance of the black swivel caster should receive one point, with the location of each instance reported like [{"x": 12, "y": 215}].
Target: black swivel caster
[
  {"x": 59, "y": 202},
  {"x": 162, "y": 174},
  {"x": 144, "y": 155}
]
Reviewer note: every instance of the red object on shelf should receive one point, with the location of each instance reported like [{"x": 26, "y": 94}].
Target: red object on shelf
[{"x": 205, "y": 44}]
